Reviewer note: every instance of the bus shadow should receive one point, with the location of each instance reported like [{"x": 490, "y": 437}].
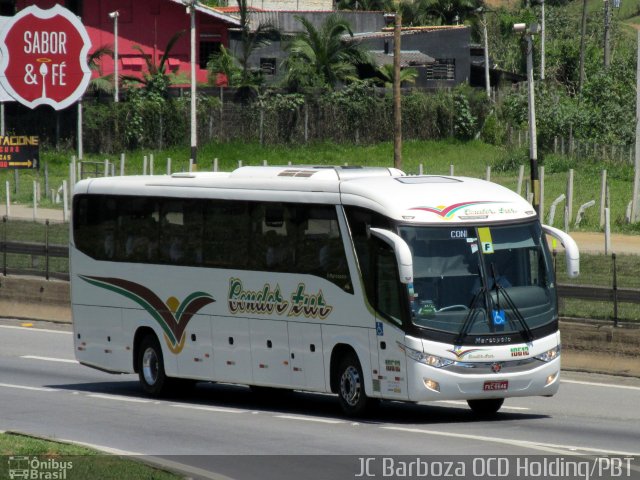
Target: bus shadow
[{"x": 322, "y": 406}]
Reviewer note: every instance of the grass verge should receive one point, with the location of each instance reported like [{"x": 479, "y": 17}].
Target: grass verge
[
  {"x": 468, "y": 158},
  {"x": 63, "y": 460}
]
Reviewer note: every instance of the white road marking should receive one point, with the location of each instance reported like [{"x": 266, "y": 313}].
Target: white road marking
[
  {"x": 49, "y": 359},
  {"x": 209, "y": 409},
  {"x": 31, "y": 329},
  {"x": 595, "y": 384},
  {"x": 546, "y": 447},
  {"x": 464, "y": 403},
  {"x": 120, "y": 398},
  {"x": 309, "y": 419},
  {"x": 26, "y": 387}
]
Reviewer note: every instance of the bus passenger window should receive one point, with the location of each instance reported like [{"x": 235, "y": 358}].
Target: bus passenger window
[
  {"x": 225, "y": 237},
  {"x": 273, "y": 238},
  {"x": 320, "y": 249}
]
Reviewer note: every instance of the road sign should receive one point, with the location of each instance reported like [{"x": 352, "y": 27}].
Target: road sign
[
  {"x": 44, "y": 57},
  {"x": 19, "y": 151}
]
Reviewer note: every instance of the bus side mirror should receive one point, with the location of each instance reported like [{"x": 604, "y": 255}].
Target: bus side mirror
[
  {"x": 402, "y": 251},
  {"x": 570, "y": 248}
]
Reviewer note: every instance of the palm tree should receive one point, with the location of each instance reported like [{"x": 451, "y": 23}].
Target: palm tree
[
  {"x": 444, "y": 12},
  {"x": 250, "y": 41},
  {"x": 415, "y": 12},
  {"x": 385, "y": 75},
  {"x": 156, "y": 78},
  {"x": 450, "y": 11},
  {"x": 324, "y": 51},
  {"x": 225, "y": 63},
  {"x": 102, "y": 83}
]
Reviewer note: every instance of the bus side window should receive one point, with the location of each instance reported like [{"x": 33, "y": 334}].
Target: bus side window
[
  {"x": 225, "y": 242},
  {"x": 172, "y": 232},
  {"x": 388, "y": 291},
  {"x": 320, "y": 250},
  {"x": 273, "y": 238},
  {"x": 359, "y": 221}
]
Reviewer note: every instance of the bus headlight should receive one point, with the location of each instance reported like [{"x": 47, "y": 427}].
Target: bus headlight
[
  {"x": 426, "y": 358},
  {"x": 549, "y": 354}
]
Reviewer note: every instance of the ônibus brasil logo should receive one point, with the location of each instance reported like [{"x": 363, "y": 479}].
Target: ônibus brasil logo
[
  {"x": 44, "y": 57},
  {"x": 172, "y": 315}
]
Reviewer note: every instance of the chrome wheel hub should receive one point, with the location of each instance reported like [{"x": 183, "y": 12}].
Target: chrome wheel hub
[
  {"x": 350, "y": 386},
  {"x": 150, "y": 366}
]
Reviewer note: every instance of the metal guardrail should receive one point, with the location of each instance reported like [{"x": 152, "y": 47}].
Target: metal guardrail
[
  {"x": 45, "y": 250},
  {"x": 593, "y": 292}
]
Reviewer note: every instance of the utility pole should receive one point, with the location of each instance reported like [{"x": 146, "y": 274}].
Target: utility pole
[
  {"x": 583, "y": 34},
  {"x": 528, "y": 33},
  {"x": 636, "y": 176},
  {"x": 542, "y": 41},
  {"x": 397, "y": 98},
  {"x": 606, "y": 33},
  {"x": 485, "y": 39},
  {"x": 114, "y": 15},
  {"x": 191, "y": 11}
]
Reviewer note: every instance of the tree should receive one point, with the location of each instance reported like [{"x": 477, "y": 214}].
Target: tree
[
  {"x": 225, "y": 63},
  {"x": 385, "y": 75},
  {"x": 444, "y": 12},
  {"x": 250, "y": 40},
  {"x": 102, "y": 83},
  {"x": 327, "y": 56},
  {"x": 155, "y": 79}
]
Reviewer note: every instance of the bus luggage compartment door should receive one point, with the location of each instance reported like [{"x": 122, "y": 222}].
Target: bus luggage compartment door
[
  {"x": 270, "y": 352},
  {"x": 231, "y": 350},
  {"x": 307, "y": 363}
]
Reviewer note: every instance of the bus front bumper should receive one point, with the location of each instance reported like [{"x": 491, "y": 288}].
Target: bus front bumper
[{"x": 500, "y": 380}]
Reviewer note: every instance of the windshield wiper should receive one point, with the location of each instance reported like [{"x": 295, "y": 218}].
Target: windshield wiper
[
  {"x": 525, "y": 331},
  {"x": 471, "y": 314}
]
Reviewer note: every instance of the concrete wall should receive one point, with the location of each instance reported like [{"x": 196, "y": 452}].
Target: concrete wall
[
  {"x": 35, "y": 298},
  {"x": 440, "y": 44},
  {"x": 304, "y": 5}
]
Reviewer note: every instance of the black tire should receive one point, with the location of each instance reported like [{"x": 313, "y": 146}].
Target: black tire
[
  {"x": 353, "y": 399},
  {"x": 486, "y": 407},
  {"x": 153, "y": 378}
]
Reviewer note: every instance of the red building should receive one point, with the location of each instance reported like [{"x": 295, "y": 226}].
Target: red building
[{"x": 149, "y": 24}]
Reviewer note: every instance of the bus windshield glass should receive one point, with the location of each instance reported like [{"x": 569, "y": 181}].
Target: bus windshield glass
[{"x": 481, "y": 281}]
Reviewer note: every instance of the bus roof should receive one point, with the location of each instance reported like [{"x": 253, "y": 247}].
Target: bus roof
[{"x": 423, "y": 199}]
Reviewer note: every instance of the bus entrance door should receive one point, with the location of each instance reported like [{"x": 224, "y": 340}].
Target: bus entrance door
[{"x": 392, "y": 361}]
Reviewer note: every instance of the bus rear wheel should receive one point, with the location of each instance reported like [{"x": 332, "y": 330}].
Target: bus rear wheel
[
  {"x": 486, "y": 407},
  {"x": 353, "y": 399},
  {"x": 153, "y": 378}
]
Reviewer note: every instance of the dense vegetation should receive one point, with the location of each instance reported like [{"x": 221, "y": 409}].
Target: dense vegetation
[{"x": 598, "y": 107}]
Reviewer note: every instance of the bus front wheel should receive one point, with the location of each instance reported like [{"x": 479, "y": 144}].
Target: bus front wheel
[
  {"x": 486, "y": 407},
  {"x": 353, "y": 398},
  {"x": 151, "y": 372}
]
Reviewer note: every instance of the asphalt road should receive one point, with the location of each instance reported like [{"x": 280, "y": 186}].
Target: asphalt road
[{"x": 226, "y": 431}]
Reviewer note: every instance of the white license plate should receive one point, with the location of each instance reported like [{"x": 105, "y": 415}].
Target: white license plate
[{"x": 495, "y": 385}]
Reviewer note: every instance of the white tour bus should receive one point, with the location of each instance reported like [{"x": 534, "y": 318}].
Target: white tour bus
[{"x": 358, "y": 281}]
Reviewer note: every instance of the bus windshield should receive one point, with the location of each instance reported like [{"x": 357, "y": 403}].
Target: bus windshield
[{"x": 481, "y": 281}]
